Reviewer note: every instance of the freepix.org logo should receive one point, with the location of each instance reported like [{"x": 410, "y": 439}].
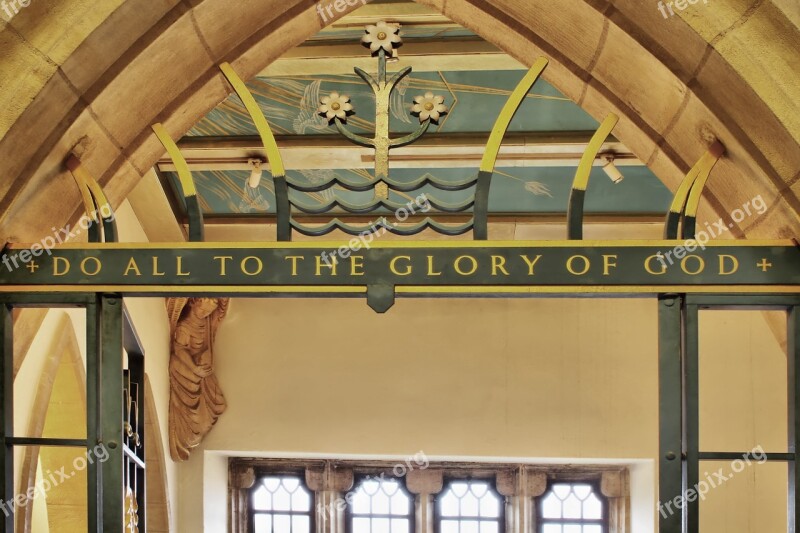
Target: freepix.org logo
[
  {"x": 326, "y": 9},
  {"x": 11, "y": 7}
]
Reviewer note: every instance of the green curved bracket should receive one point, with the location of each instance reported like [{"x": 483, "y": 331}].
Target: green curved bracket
[
  {"x": 195, "y": 214},
  {"x": 581, "y": 182},
  {"x": 679, "y": 202},
  {"x": 352, "y": 137},
  {"x": 481, "y": 209},
  {"x": 367, "y": 78},
  {"x": 274, "y": 158},
  {"x": 689, "y": 221},
  {"x": 411, "y": 137},
  {"x": 102, "y": 228}
]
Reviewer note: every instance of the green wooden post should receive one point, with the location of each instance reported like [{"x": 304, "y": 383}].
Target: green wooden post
[
  {"x": 93, "y": 436},
  {"x": 111, "y": 413},
  {"x": 7, "y": 412},
  {"x": 670, "y": 392},
  {"x": 793, "y": 361},
  {"x": 692, "y": 399}
]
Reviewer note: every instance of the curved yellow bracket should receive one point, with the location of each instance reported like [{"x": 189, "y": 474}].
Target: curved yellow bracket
[
  {"x": 504, "y": 119},
  {"x": 276, "y": 168},
  {"x": 184, "y": 174},
  {"x": 581, "y": 180},
  {"x": 691, "y": 189},
  {"x": 82, "y": 178},
  {"x": 267, "y": 139},
  {"x": 95, "y": 203},
  {"x": 710, "y": 158},
  {"x": 195, "y": 214}
]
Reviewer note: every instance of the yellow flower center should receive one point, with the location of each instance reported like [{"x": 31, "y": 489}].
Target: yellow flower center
[
  {"x": 429, "y": 106},
  {"x": 335, "y": 106},
  {"x": 382, "y": 35}
]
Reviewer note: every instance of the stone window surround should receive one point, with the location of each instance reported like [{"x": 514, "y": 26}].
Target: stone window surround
[{"x": 520, "y": 484}]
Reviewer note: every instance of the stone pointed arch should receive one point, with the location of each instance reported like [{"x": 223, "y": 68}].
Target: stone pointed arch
[
  {"x": 676, "y": 83},
  {"x": 158, "y": 509},
  {"x": 60, "y": 402}
]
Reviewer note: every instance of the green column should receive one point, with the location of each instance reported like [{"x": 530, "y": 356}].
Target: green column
[
  {"x": 670, "y": 400},
  {"x": 111, "y": 413},
  {"x": 7, "y": 412}
]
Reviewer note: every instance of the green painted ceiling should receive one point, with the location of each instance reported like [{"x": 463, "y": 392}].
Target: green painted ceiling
[{"x": 475, "y": 99}]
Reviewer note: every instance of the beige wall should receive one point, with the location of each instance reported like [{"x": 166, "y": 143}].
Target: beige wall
[{"x": 556, "y": 380}]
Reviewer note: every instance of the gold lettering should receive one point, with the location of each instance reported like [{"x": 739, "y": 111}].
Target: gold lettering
[
  {"x": 531, "y": 264},
  {"x": 457, "y": 265},
  {"x": 259, "y": 265},
  {"x": 701, "y": 265},
  {"x": 331, "y": 265},
  {"x": 393, "y": 265},
  {"x": 132, "y": 266},
  {"x": 179, "y": 267},
  {"x": 499, "y": 263},
  {"x": 430, "y": 267},
  {"x": 222, "y": 263},
  {"x": 356, "y": 261},
  {"x": 294, "y": 259},
  {"x": 155, "y": 267},
  {"x": 586, "y": 265},
  {"x": 97, "y": 265},
  {"x": 734, "y": 265},
  {"x": 648, "y": 262},
  {"x": 607, "y": 264},
  {"x": 56, "y": 260}
]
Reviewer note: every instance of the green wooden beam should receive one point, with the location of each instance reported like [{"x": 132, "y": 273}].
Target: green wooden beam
[
  {"x": 111, "y": 413},
  {"x": 7, "y": 423},
  {"x": 670, "y": 393}
]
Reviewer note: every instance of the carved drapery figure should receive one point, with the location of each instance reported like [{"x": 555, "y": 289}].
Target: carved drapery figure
[{"x": 195, "y": 397}]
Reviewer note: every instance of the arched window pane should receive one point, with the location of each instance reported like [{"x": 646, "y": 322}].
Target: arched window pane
[
  {"x": 572, "y": 508},
  {"x": 282, "y": 503},
  {"x": 380, "y": 505},
  {"x": 470, "y": 507}
]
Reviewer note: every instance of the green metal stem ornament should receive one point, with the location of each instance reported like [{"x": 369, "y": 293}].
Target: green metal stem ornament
[{"x": 382, "y": 39}]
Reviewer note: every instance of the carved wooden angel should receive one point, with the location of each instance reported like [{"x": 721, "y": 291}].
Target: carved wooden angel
[{"x": 195, "y": 397}]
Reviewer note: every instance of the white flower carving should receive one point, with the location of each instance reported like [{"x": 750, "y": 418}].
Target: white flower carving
[
  {"x": 335, "y": 106},
  {"x": 382, "y": 35},
  {"x": 429, "y": 106}
]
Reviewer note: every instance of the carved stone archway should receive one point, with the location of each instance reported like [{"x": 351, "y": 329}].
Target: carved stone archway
[{"x": 99, "y": 77}]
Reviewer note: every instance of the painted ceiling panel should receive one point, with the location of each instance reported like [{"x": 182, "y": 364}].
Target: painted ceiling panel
[
  {"x": 514, "y": 190},
  {"x": 475, "y": 99}
]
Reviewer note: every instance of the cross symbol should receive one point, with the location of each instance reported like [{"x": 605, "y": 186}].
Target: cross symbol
[
  {"x": 32, "y": 266},
  {"x": 764, "y": 265}
]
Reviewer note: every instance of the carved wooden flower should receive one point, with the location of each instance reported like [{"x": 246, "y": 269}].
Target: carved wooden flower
[
  {"x": 382, "y": 35},
  {"x": 335, "y": 106},
  {"x": 429, "y": 106}
]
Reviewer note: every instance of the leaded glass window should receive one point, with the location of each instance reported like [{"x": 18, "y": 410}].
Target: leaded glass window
[
  {"x": 281, "y": 504},
  {"x": 470, "y": 506},
  {"x": 380, "y": 505},
  {"x": 572, "y": 508}
]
